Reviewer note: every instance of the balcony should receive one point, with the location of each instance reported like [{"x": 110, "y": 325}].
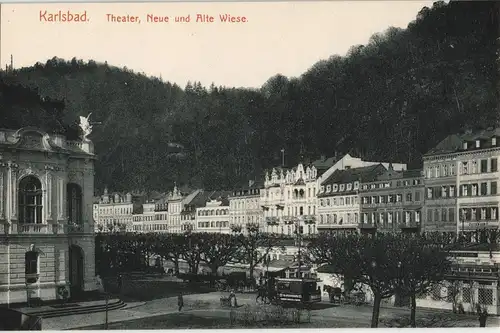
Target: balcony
[
  {"x": 410, "y": 225},
  {"x": 32, "y": 228},
  {"x": 309, "y": 219},
  {"x": 272, "y": 220},
  {"x": 367, "y": 226},
  {"x": 475, "y": 225},
  {"x": 74, "y": 228}
]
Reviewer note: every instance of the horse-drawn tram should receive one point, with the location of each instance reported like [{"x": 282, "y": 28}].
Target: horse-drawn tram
[
  {"x": 290, "y": 290},
  {"x": 303, "y": 290}
]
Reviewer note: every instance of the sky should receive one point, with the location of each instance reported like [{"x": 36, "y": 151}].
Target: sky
[{"x": 278, "y": 37}]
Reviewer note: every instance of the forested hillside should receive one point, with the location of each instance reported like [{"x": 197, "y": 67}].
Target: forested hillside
[{"x": 391, "y": 99}]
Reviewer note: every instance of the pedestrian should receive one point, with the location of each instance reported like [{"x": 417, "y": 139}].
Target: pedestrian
[
  {"x": 120, "y": 282},
  {"x": 483, "y": 316},
  {"x": 180, "y": 301},
  {"x": 232, "y": 296}
]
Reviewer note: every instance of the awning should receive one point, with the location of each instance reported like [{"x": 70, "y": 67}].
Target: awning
[{"x": 276, "y": 265}]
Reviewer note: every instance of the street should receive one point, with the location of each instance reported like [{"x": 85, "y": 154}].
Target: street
[{"x": 204, "y": 311}]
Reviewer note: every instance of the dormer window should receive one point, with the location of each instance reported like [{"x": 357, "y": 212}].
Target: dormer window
[
  {"x": 372, "y": 186},
  {"x": 493, "y": 141},
  {"x": 335, "y": 188},
  {"x": 342, "y": 187},
  {"x": 356, "y": 185},
  {"x": 322, "y": 189},
  {"x": 328, "y": 188},
  {"x": 465, "y": 145},
  {"x": 478, "y": 143},
  {"x": 349, "y": 187}
]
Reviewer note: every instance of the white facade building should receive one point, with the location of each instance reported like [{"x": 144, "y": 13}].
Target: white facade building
[
  {"x": 174, "y": 211},
  {"x": 214, "y": 216},
  {"x": 288, "y": 200},
  {"x": 113, "y": 212},
  {"x": 244, "y": 206},
  {"x": 46, "y": 221}
]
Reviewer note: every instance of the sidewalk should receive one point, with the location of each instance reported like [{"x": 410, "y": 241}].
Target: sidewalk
[{"x": 209, "y": 305}]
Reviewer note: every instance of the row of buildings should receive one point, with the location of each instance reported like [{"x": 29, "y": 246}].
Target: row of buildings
[
  {"x": 48, "y": 219},
  {"x": 457, "y": 189}
]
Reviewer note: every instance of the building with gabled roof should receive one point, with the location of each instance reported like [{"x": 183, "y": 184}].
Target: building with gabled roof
[
  {"x": 339, "y": 208},
  {"x": 392, "y": 202}
]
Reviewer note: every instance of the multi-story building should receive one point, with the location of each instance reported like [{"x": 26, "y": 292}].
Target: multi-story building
[
  {"x": 288, "y": 200},
  {"x": 113, "y": 212},
  {"x": 339, "y": 197},
  {"x": 174, "y": 211},
  {"x": 161, "y": 214},
  {"x": 46, "y": 222},
  {"x": 244, "y": 206},
  {"x": 461, "y": 179},
  {"x": 214, "y": 216},
  {"x": 144, "y": 220},
  {"x": 349, "y": 162},
  {"x": 193, "y": 201},
  {"x": 392, "y": 202}
]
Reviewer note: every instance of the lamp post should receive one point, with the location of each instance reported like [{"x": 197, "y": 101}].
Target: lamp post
[
  {"x": 299, "y": 241},
  {"x": 462, "y": 217}
]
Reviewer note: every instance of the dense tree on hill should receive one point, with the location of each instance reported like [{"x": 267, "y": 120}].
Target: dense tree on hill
[{"x": 391, "y": 99}]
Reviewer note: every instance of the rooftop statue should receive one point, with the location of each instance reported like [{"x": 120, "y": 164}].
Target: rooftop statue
[{"x": 85, "y": 126}]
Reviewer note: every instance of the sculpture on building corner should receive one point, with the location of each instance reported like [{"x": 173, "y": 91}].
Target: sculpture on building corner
[{"x": 86, "y": 127}]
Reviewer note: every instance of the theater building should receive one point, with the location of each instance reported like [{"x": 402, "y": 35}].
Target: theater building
[{"x": 46, "y": 222}]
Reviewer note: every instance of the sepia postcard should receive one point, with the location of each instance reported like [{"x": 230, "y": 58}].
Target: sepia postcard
[{"x": 249, "y": 165}]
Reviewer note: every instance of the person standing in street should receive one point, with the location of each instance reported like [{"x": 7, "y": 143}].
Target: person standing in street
[
  {"x": 483, "y": 316},
  {"x": 180, "y": 301}
]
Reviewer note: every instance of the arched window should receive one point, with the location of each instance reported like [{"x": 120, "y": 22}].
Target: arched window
[
  {"x": 74, "y": 203},
  {"x": 30, "y": 200}
]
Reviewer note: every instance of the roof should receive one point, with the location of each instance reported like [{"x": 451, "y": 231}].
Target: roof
[
  {"x": 187, "y": 200},
  {"x": 326, "y": 269},
  {"x": 365, "y": 174},
  {"x": 454, "y": 142},
  {"x": 324, "y": 164},
  {"x": 204, "y": 196},
  {"x": 278, "y": 265},
  {"x": 412, "y": 173},
  {"x": 200, "y": 199}
]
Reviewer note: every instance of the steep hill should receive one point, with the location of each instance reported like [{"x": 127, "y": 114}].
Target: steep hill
[{"x": 394, "y": 98}]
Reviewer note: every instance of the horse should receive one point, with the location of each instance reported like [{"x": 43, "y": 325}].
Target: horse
[{"x": 266, "y": 294}]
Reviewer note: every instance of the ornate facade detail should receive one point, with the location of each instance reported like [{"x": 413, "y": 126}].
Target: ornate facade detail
[
  {"x": 2, "y": 201},
  {"x": 48, "y": 187},
  {"x": 13, "y": 171},
  {"x": 32, "y": 141},
  {"x": 61, "y": 198}
]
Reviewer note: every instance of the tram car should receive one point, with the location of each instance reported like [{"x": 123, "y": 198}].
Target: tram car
[{"x": 300, "y": 290}]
